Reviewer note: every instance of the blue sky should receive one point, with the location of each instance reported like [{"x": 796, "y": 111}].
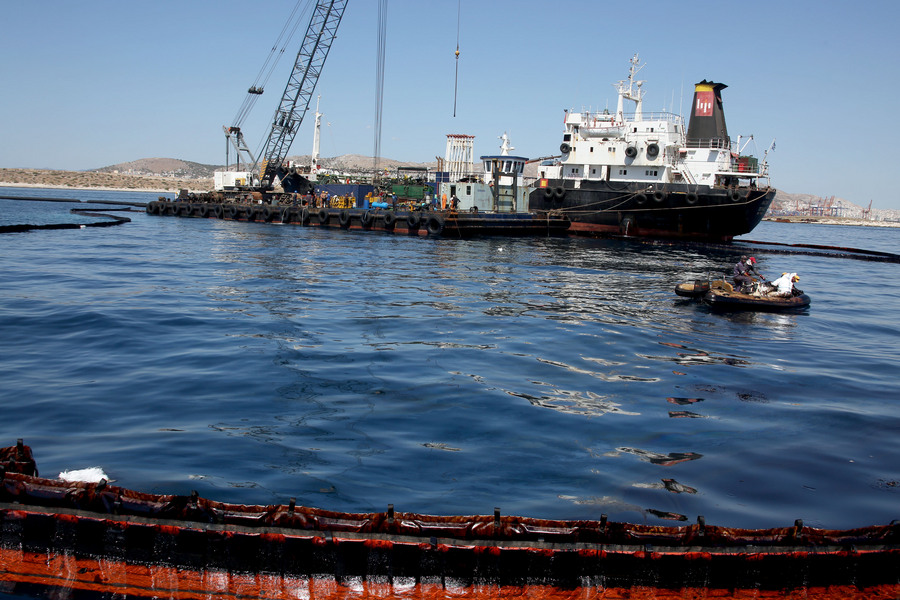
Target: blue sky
[{"x": 100, "y": 82}]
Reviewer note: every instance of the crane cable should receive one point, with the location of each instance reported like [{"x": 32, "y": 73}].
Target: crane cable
[
  {"x": 379, "y": 78},
  {"x": 456, "y": 77},
  {"x": 291, "y": 24}
]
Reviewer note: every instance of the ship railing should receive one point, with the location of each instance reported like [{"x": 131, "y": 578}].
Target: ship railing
[
  {"x": 749, "y": 170},
  {"x": 586, "y": 118},
  {"x": 709, "y": 143},
  {"x": 655, "y": 116}
]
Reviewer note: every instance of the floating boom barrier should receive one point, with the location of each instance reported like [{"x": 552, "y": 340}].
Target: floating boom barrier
[{"x": 59, "y": 537}]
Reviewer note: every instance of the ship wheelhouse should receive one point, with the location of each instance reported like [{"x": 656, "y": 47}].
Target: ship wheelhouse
[{"x": 503, "y": 169}]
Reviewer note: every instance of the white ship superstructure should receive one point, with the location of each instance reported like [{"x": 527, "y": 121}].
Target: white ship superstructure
[
  {"x": 653, "y": 148},
  {"x": 650, "y": 174}
]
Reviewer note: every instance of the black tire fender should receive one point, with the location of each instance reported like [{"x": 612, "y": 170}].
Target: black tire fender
[{"x": 435, "y": 225}]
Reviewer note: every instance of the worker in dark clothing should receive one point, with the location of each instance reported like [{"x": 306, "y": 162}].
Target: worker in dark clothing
[{"x": 743, "y": 272}]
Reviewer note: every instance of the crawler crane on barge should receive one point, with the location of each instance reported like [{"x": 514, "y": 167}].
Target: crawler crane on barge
[{"x": 270, "y": 171}]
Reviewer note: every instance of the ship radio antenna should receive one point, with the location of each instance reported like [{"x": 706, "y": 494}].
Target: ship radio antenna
[{"x": 456, "y": 77}]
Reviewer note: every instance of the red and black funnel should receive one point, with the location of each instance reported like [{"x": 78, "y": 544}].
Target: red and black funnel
[{"x": 707, "y": 124}]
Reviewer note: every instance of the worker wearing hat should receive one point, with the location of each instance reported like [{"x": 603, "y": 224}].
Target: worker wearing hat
[
  {"x": 783, "y": 287},
  {"x": 743, "y": 271}
]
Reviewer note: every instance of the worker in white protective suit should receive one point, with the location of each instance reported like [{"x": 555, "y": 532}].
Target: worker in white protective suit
[{"x": 784, "y": 285}]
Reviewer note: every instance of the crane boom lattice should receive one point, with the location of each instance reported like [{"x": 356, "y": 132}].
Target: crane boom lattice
[{"x": 298, "y": 93}]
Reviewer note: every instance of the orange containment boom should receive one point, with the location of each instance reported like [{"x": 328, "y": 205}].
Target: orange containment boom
[{"x": 60, "y": 537}]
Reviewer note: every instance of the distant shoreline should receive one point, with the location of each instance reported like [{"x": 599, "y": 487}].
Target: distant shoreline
[
  {"x": 817, "y": 220},
  {"x": 77, "y": 180},
  {"x": 159, "y": 190}
]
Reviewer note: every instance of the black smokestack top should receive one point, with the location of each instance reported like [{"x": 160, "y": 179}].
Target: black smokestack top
[{"x": 707, "y": 124}]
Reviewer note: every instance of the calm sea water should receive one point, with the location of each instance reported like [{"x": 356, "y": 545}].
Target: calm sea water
[{"x": 555, "y": 378}]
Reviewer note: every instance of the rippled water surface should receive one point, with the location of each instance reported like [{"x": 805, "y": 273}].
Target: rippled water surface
[{"x": 556, "y": 378}]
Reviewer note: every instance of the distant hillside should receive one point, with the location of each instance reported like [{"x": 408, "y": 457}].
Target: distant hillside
[
  {"x": 161, "y": 167},
  {"x": 183, "y": 169},
  {"x": 49, "y": 178}
]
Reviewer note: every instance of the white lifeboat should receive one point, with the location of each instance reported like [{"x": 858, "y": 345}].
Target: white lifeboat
[{"x": 602, "y": 130}]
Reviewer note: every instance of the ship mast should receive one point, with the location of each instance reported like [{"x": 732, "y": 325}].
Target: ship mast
[
  {"x": 627, "y": 92},
  {"x": 504, "y": 146},
  {"x": 314, "y": 167}
]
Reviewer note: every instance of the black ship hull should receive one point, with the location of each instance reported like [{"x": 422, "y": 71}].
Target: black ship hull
[{"x": 678, "y": 211}]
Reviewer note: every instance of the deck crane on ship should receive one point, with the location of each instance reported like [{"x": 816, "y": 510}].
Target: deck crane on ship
[{"x": 269, "y": 169}]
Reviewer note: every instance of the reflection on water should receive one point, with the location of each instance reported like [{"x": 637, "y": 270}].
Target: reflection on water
[
  {"x": 685, "y": 414},
  {"x": 665, "y": 460},
  {"x": 583, "y": 403},
  {"x": 697, "y": 357}
]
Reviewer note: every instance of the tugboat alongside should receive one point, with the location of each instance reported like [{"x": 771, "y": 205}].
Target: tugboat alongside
[{"x": 644, "y": 175}]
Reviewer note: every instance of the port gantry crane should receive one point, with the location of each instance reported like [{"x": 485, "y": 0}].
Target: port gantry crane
[{"x": 295, "y": 100}]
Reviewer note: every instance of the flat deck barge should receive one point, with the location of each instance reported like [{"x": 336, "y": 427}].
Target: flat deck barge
[{"x": 435, "y": 223}]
